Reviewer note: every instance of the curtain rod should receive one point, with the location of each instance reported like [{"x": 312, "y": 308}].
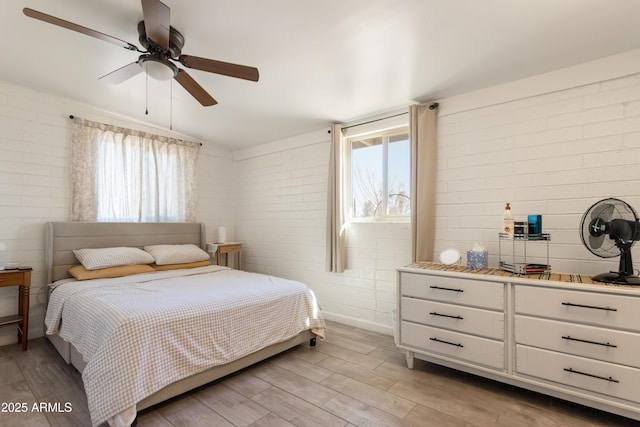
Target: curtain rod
[
  {"x": 373, "y": 121},
  {"x": 431, "y": 107},
  {"x": 71, "y": 116}
]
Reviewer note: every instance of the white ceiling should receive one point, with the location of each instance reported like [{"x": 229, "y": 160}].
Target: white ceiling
[{"x": 320, "y": 61}]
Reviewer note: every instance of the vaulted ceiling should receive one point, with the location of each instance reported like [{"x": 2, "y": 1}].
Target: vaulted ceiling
[{"x": 331, "y": 60}]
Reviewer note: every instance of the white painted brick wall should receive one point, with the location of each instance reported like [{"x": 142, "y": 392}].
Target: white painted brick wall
[
  {"x": 553, "y": 154},
  {"x": 35, "y": 137}
]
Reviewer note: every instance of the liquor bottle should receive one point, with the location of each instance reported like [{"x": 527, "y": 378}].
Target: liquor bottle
[{"x": 508, "y": 220}]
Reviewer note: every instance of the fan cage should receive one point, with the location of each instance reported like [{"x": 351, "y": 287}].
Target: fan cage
[{"x": 598, "y": 215}]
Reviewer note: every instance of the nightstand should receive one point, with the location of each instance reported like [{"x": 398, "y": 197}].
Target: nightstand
[
  {"x": 227, "y": 248},
  {"x": 22, "y": 279}
]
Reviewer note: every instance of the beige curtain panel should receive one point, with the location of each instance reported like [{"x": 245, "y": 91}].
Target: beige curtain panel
[
  {"x": 336, "y": 259},
  {"x": 422, "y": 132}
]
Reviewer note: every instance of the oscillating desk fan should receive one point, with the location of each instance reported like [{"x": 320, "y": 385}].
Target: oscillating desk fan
[{"x": 608, "y": 229}]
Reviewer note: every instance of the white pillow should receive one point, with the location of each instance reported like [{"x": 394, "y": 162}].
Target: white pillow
[
  {"x": 176, "y": 254},
  {"x": 95, "y": 258}
]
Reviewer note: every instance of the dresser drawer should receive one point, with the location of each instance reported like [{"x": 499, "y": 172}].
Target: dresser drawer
[
  {"x": 477, "y": 293},
  {"x": 589, "y": 341},
  {"x": 475, "y": 321},
  {"x": 588, "y": 374},
  {"x": 601, "y": 309},
  {"x": 477, "y": 350}
]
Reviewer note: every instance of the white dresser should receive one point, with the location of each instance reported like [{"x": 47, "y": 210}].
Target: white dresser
[{"x": 575, "y": 341}]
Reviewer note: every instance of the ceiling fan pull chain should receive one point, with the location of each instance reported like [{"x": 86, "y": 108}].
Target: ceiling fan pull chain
[
  {"x": 171, "y": 105},
  {"x": 146, "y": 94}
]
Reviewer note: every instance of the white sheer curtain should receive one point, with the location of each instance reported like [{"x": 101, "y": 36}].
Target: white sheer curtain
[
  {"x": 336, "y": 260},
  {"x": 120, "y": 174}
]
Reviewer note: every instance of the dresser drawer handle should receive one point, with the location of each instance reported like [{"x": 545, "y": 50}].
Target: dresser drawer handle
[
  {"x": 589, "y": 306},
  {"x": 605, "y": 344},
  {"x": 610, "y": 379},
  {"x": 446, "y": 289},
  {"x": 446, "y": 342},
  {"x": 433, "y": 313}
]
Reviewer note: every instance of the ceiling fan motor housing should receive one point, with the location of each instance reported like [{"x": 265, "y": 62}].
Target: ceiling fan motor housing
[{"x": 176, "y": 42}]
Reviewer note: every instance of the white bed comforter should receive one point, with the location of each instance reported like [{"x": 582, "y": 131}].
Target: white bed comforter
[{"x": 140, "y": 333}]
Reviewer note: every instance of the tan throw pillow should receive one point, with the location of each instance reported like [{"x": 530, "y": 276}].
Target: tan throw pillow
[
  {"x": 81, "y": 273},
  {"x": 178, "y": 266}
]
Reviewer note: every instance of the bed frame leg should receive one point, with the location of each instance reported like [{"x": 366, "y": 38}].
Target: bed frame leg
[{"x": 312, "y": 342}]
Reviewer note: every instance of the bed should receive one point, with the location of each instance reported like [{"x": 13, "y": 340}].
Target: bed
[{"x": 82, "y": 346}]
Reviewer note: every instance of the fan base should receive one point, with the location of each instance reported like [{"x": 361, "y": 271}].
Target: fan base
[{"x": 617, "y": 278}]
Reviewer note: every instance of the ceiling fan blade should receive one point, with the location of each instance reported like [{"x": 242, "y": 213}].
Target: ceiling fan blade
[
  {"x": 122, "y": 73},
  {"x": 157, "y": 21},
  {"x": 219, "y": 67},
  {"x": 194, "y": 88},
  {"x": 79, "y": 28}
]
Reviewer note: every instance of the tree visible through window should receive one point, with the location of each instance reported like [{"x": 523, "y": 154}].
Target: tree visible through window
[{"x": 380, "y": 175}]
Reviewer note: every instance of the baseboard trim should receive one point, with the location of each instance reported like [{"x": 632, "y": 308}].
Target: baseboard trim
[{"x": 359, "y": 323}]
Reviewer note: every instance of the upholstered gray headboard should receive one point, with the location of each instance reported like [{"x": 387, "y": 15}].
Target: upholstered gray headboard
[{"x": 63, "y": 237}]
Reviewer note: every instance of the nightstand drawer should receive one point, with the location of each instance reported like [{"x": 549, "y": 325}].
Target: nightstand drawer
[
  {"x": 475, "y": 321},
  {"x": 588, "y": 341},
  {"x": 477, "y": 350},
  {"x": 476, "y": 293},
  {"x": 12, "y": 279},
  {"x": 227, "y": 248},
  {"x": 587, "y": 374},
  {"x": 595, "y": 308}
]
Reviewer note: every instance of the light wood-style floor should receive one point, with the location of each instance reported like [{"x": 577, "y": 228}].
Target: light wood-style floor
[{"x": 353, "y": 378}]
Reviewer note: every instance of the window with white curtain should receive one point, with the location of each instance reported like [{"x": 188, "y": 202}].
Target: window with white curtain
[{"x": 120, "y": 174}]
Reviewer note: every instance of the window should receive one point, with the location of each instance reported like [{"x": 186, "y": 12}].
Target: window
[
  {"x": 125, "y": 175},
  {"x": 379, "y": 185}
]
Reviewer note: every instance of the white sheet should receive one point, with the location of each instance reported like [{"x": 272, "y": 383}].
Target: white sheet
[{"x": 143, "y": 332}]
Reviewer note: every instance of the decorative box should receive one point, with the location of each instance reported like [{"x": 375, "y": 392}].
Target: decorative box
[
  {"x": 535, "y": 224},
  {"x": 477, "y": 259}
]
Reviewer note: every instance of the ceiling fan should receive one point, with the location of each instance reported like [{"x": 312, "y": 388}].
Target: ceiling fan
[{"x": 163, "y": 45}]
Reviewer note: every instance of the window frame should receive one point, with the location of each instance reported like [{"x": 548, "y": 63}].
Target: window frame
[{"x": 348, "y": 181}]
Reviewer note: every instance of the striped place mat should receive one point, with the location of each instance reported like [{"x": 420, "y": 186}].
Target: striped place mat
[{"x": 559, "y": 277}]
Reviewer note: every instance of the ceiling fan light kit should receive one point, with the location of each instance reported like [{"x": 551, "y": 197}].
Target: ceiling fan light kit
[
  {"x": 157, "y": 67},
  {"x": 163, "y": 44}
]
